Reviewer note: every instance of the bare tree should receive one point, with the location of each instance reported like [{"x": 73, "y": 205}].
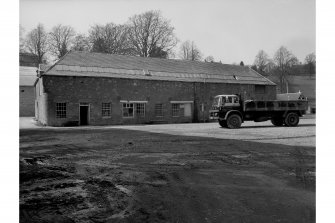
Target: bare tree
[
  {"x": 110, "y": 38},
  {"x": 284, "y": 61},
  {"x": 61, "y": 39},
  {"x": 149, "y": 32},
  {"x": 81, "y": 43},
  {"x": 261, "y": 61},
  {"x": 189, "y": 51},
  {"x": 22, "y": 43},
  {"x": 36, "y": 42},
  {"x": 209, "y": 59},
  {"x": 242, "y": 63},
  {"x": 310, "y": 61}
]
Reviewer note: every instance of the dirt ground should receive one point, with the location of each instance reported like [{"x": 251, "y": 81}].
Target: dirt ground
[{"x": 123, "y": 175}]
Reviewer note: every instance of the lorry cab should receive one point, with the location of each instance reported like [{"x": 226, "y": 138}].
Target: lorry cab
[{"x": 223, "y": 102}]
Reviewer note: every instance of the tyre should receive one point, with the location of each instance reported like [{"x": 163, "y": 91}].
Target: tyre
[
  {"x": 223, "y": 123},
  {"x": 277, "y": 121},
  {"x": 291, "y": 119},
  {"x": 234, "y": 121}
]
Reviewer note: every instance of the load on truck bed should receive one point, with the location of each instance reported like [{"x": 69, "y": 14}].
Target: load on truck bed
[{"x": 231, "y": 111}]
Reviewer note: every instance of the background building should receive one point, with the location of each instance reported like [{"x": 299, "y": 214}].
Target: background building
[
  {"x": 28, "y": 60},
  {"x": 28, "y": 76},
  {"x": 101, "y": 89}
]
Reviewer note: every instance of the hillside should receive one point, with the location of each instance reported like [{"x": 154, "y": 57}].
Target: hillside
[{"x": 302, "y": 83}]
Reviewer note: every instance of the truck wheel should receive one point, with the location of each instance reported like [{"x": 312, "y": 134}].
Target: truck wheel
[
  {"x": 277, "y": 121},
  {"x": 234, "y": 121},
  {"x": 291, "y": 119},
  {"x": 223, "y": 123}
]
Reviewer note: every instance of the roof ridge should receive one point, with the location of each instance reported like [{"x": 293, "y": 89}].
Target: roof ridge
[
  {"x": 153, "y": 70},
  {"x": 156, "y": 58}
]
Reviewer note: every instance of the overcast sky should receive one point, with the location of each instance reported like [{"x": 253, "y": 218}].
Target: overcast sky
[{"x": 229, "y": 30}]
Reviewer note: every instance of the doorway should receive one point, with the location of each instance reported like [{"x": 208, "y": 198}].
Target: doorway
[
  {"x": 84, "y": 114},
  {"x": 187, "y": 110}
]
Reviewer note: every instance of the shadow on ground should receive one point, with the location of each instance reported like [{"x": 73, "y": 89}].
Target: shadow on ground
[{"x": 113, "y": 175}]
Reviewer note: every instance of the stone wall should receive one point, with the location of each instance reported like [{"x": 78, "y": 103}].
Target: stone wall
[{"x": 98, "y": 90}]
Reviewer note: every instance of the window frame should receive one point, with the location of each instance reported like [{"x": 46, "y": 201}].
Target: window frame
[
  {"x": 127, "y": 107},
  {"x": 142, "y": 108},
  {"x": 61, "y": 110},
  {"x": 175, "y": 109},
  {"x": 104, "y": 109},
  {"x": 161, "y": 114}
]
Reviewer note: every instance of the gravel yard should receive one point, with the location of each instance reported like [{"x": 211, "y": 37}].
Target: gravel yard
[
  {"x": 303, "y": 135},
  {"x": 168, "y": 173}
]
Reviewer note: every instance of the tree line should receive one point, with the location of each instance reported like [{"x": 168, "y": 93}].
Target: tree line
[
  {"x": 147, "y": 35},
  {"x": 283, "y": 64}
]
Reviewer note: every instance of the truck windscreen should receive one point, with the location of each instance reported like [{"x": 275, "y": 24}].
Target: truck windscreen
[{"x": 216, "y": 102}]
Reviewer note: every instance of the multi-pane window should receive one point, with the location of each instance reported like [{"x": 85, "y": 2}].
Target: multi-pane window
[
  {"x": 60, "y": 110},
  {"x": 106, "y": 110},
  {"x": 140, "y": 110},
  {"x": 175, "y": 110},
  {"x": 159, "y": 110},
  {"x": 128, "y": 110}
]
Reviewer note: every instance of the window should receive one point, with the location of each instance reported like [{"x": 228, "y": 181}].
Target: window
[
  {"x": 260, "y": 89},
  {"x": 175, "y": 110},
  {"x": 106, "y": 110},
  {"x": 159, "y": 110},
  {"x": 128, "y": 110},
  {"x": 230, "y": 99},
  {"x": 60, "y": 110},
  {"x": 140, "y": 109},
  {"x": 224, "y": 100}
]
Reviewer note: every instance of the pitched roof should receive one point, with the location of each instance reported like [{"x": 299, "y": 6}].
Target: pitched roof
[
  {"x": 27, "y": 76},
  {"x": 78, "y": 63}
]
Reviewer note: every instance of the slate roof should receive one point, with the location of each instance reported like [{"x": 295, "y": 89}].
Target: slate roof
[
  {"x": 28, "y": 76},
  {"x": 77, "y": 63}
]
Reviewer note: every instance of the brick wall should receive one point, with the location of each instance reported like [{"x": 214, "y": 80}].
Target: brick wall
[
  {"x": 27, "y": 99},
  {"x": 95, "y": 91}
]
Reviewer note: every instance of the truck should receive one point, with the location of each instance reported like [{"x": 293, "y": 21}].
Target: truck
[{"x": 231, "y": 110}]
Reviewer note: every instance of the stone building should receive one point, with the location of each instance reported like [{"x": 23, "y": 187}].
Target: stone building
[
  {"x": 86, "y": 88},
  {"x": 28, "y": 67}
]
